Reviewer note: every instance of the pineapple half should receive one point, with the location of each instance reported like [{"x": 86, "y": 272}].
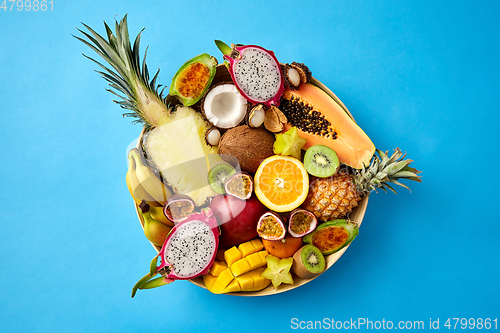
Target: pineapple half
[{"x": 174, "y": 144}]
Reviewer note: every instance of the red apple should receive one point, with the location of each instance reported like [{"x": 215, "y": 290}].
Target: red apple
[{"x": 236, "y": 218}]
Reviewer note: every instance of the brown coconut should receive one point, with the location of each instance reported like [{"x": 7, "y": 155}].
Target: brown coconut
[{"x": 250, "y": 146}]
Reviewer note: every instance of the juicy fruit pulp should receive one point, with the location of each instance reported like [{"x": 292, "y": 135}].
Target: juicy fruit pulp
[
  {"x": 321, "y": 120},
  {"x": 281, "y": 183},
  {"x": 256, "y": 73},
  {"x": 321, "y": 161},
  {"x": 301, "y": 222},
  {"x": 179, "y": 151},
  {"x": 332, "y": 236},
  {"x": 271, "y": 227},
  {"x": 193, "y": 79},
  {"x": 308, "y": 261}
]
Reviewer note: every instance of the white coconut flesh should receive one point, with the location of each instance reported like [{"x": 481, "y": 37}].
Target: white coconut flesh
[
  {"x": 294, "y": 76},
  {"x": 190, "y": 249},
  {"x": 224, "y": 106}
]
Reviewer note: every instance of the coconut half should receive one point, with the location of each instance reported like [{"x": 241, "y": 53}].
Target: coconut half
[{"x": 223, "y": 106}]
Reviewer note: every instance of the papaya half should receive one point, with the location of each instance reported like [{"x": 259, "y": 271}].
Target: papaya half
[{"x": 322, "y": 121}]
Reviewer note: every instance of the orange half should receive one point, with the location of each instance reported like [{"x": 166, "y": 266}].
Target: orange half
[{"x": 281, "y": 183}]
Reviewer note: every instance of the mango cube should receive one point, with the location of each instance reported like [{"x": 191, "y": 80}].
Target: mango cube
[
  {"x": 217, "y": 268},
  {"x": 249, "y": 263},
  {"x": 250, "y": 247},
  {"x": 223, "y": 280},
  {"x": 232, "y": 255},
  {"x": 234, "y": 286},
  {"x": 209, "y": 280}
]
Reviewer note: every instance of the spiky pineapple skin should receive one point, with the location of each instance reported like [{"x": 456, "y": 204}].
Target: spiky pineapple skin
[{"x": 332, "y": 197}]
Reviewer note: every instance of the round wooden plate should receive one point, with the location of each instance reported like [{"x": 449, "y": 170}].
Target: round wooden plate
[{"x": 356, "y": 215}]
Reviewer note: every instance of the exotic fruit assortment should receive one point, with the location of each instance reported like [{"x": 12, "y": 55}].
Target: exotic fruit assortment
[{"x": 248, "y": 176}]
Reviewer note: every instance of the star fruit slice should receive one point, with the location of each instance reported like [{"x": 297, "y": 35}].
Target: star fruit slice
[
  {"x": 278, "y": 270},
  {"x": 289, "y": 143}
]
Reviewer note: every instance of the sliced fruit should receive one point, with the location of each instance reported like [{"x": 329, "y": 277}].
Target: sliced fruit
[
  {"x": 283, "y": 248},
  {"x": 281, "y": 183},
  {"x": 308, "y": 262},
  {"x": 178, "y": 208},
  {"x": 289, "y": 143},
  {"x": 271, "y": 227},
  {"x": 224, "y": 106},
  {"x": 321, "y": 161},
  {"x": 218, "y": 175},
  {"x": 332, "y": 236},
  {"x": 278, "y": 270},
  {"x": 239, "y": 185},
  {"x": 179, "y": 151},
  {"x": 321, "y": 120},
  {"x": 301, "y": 222},
  {"x": 193, "y": 79}
]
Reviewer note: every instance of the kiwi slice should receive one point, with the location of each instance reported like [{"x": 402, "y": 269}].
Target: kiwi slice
[
  {"x": 321, "y": 161},
  {"x": 218, "y": 175},
  {"x": 308, "y": 261}
]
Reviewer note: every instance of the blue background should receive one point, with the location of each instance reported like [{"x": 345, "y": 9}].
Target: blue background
[{"x": 419, "y": 75}]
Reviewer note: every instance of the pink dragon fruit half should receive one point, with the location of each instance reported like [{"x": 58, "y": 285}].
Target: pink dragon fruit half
[
  {"x": 190, "y": 247},
  {"x": 255, "y": 72}
]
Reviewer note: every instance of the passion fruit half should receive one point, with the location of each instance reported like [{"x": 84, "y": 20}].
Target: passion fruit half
[
  {"x": 301, "y": 222},
  {"x": 271, "y": 226},
  {"x": 239, "y": 185},
  {"x": 178, "y": 207}
]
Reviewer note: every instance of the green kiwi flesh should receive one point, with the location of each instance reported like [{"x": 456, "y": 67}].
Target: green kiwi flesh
[
  {"x": 308, "y": 261},
  {"x": 321, "y": 161},
  {"x": 218, "y": 175}
]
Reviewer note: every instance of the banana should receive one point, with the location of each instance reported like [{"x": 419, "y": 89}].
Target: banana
[
  {"x": 158, "y": 215},
  {"x": 156, "y": 232},
  {"x": 148, "y": 180},
  {"x": 136, "y": 190}
]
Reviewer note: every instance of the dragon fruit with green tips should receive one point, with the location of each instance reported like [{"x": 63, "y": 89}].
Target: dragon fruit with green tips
[
  {"x": 189, "y": 251},
  {"x": 255, "y": 71}
]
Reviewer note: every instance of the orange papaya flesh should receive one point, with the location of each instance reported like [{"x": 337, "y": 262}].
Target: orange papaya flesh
[{"x": 322, "y": 121}]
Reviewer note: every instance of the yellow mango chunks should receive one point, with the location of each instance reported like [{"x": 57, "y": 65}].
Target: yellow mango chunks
[
  {"x": 240, "y": 270},
  {"x": 249, "y": 263},
  {"x": 222, "y": 281},
  {"x": 251, "y": 281},
  {"x": 250, "y": 247},
  {"x": 217, "y": 268}
]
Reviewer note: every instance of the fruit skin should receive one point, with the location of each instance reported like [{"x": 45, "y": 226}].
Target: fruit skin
[
  {"x": 352, "y": 145},
  {"x": 198, "y": 64},
  {"x": 148, "y": 180},
  {"x": 157, "y": 214},
  {"x": 236, "y": 218},
  {"x": 300, "y": 269},
  {"x": 336, "y": 196},
  {"x": 166, "y": 269},
  {"x": 250, "y": 146},
  {"x": 155, "y": 231},
  {"x": 283, "y": 248},
  {"x": 351, "y": 228},
  {"x": 264, "y": 60}
]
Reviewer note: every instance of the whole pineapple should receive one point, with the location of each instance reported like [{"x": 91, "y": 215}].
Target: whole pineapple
[{"x": 336, "y": 196}]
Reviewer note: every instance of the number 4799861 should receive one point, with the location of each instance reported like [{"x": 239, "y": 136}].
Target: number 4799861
[{"x": 27, "y": 5}]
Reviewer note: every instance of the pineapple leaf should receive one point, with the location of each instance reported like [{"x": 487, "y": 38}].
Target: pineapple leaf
[{"x": 126, "y": 74}]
